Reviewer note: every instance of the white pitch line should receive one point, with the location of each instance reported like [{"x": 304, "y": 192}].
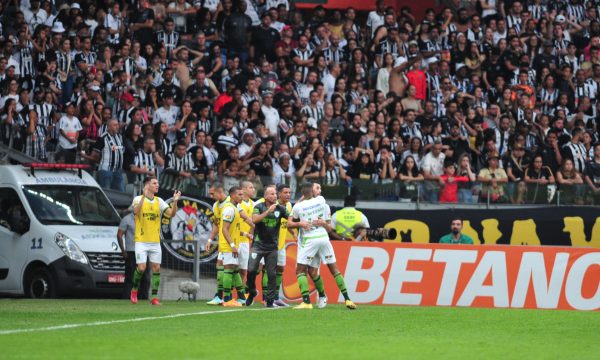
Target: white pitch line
[{"x": 122, "y": 321}]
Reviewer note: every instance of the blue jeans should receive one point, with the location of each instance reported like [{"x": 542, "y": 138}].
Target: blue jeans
[
  {"x": 111, "y": 180},
  {"x": 242, "y": 54},
  {"x": 465, "y": 196},
  {"x": 67, "y": 90}
]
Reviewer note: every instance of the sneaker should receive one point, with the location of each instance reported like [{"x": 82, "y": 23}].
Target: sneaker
[
  {"x": 350, "y": 305},
  {"x": 232, "y": 303},
  {"x": 242, "y": 301},
  {"x": 251, "y": 295},
  {"x": 133, "y": 296},
  {"x": 271, "y": 304},
  {"x": 155, "y": 301},
  {"x": 280, "y": 303},
  {"x": 215, "y": 301},
  {"x": 322, "y": 302},
  {"x": 303, "y": 306}
]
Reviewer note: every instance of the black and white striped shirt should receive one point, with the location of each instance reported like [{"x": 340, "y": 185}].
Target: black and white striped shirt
[
  {"x": 332, "y": 177},
  {"x": 129, "y": 68},
  {"x": 474, "y": 34},
  {"x": 170, "y": 40},
  {"x": 584, "y": 90},
  {"x": 409, "y": 132},
  {"x": 44, "y": 112},
  {"x": 560, "y": 45},
  {"x": 502, "y": 140},
  {"x": 303, "y": 55},
  {"x": 316, "y": 112},
  {"x": 537, "y": 11},
  {"x": 35, "y": 144},
  {"x": 514, "y": 22},
  {"x": 111, "y": 151},
  {"x": 576, "y": 11},
  {"x": 551, "y": 96},
  {"x": 63, "y": 60},
  {"x": 206, "y": 126},
  {"x": 124, "y": 115},
  {"x": 574, "y": 62},
  {"x": 578, "y": 152},
  {"x": 145, "y": 159},
  {"x": 248, "y": 98},
  {"x": 185, "y": 163},
  {"x": 388, "y": 46},
  {"x": 337, "y": 151},
  {"x": 334, "y": 56},
  {"x": 25, "y": 59},
  {"x": 89, "y": 58}
]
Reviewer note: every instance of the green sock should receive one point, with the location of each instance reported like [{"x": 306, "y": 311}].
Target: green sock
[
  {"x": 339, "y": 280},
  {"x": 265, "y": 280},
  {"x": 303, "y": 284},
  {"x": 155, "y": 283},
  {"x": 227, "y": 284},
  {"x": 239, "y": 285},
  {"x": 137, "y": 277},
  {"x": 319, "y": 285},
  {"x": 220, "y": 281},
  {"x": 279, "y": 280}
]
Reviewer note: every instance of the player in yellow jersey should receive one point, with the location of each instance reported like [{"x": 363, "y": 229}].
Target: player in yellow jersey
[
  {"x": 229, "y": 242},
  {"x": 146, "y": 211},
  {"x": 247, "y": 206},
  {"x": 217, "y": 193}
]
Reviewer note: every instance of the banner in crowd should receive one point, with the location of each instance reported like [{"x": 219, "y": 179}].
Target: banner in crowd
[
  {"x": 561, "y": 226},
  {"x": 460, "y": 275}
]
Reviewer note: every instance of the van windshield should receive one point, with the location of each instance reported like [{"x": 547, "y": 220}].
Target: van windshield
[{"x": 70, "y": 205}]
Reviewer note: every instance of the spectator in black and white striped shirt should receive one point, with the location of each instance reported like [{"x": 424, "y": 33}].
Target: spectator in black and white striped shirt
[
  {"x": 108, "y": 151},
  {"x": 147, "y": 161},
  {"x": 180, "y": 162},
  {"x": 35, "y": 143}
]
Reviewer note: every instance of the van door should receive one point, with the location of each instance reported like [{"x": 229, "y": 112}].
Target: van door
[{"x": 14, "y": 244}]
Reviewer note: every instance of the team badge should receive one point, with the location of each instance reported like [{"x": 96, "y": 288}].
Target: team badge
[
  {"x": 276, "y": 213},
  {"x": 254, "y": 255},
  {"x": 192, "y": 221}
]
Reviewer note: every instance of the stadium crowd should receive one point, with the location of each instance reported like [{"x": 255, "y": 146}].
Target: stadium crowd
[{"x": 502, "y": 94}]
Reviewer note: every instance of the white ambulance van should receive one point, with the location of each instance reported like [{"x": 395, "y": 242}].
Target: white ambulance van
[{"x": 57, "y": 233}]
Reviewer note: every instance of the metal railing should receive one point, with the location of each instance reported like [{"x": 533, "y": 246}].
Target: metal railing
[{"x": 181, "y": 261}]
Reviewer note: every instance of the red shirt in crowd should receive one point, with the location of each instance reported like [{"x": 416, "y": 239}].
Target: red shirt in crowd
[
  {"x": 418, "y": 78},
  {"x": 449, "y": 193}
]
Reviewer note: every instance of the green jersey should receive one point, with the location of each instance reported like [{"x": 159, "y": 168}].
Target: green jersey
[{"x": 449, "y": 239}]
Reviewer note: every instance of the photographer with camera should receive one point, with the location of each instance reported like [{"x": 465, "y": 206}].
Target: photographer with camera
[
  {"x": 456, "y": 237},
  {"x": 346, "y": 220}
]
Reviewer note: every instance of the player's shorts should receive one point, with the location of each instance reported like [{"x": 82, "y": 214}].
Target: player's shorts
[
  {"x": 281, "y": 256},
  {"x": 314, "y": 251},
  {"x": 228, "y": 259},
  {"x": 244, "y": 255},
  {"x": 145, "y": 251},
  {"x": 220, "y": 256}
]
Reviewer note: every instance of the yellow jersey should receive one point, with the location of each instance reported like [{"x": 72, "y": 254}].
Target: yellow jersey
[
  {"x": 248, "y": 208},
  {"x": 230, "y": 214},
  {"x": 217, "y": 213},
  {"x": 147, "y": 222},
  {"x": 283, "y": 229}
]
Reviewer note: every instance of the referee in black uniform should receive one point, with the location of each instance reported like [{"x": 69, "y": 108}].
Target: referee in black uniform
[{"x": 267, "y": 217}]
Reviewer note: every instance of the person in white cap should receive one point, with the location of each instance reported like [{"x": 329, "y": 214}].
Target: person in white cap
[{"x": 248, "y": 143}]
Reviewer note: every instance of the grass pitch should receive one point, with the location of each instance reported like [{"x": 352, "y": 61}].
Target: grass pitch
[{"x": 106, "y": 329}]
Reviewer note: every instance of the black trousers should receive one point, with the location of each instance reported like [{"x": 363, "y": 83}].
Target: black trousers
[
  {"x": 130, "y": 266},
  {"x": 270, "y": 257}
]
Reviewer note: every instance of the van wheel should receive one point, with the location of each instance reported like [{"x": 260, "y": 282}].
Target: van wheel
[{"x": 40, "y": 284}]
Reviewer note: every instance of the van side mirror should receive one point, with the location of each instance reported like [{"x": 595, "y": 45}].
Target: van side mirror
[{"x": 19, "y": 222}]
